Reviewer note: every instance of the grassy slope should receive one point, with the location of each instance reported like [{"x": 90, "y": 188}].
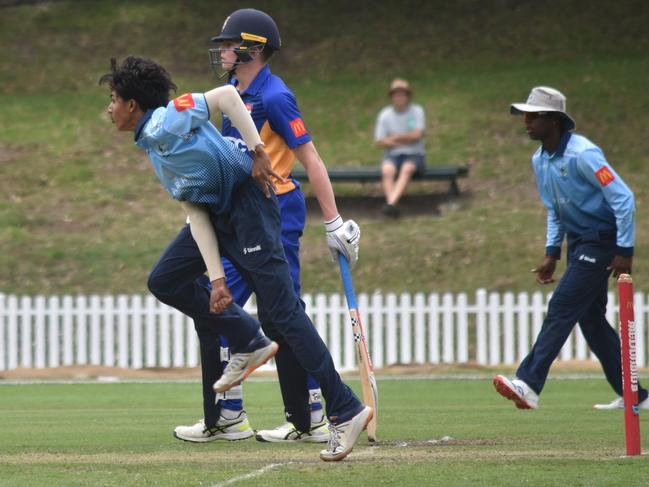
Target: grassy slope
[
  {"x": 82, "y": 211},
  {"x": 563, "y": 443}
]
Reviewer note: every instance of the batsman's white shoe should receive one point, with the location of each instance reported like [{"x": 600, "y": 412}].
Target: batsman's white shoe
[
  {"x": 343, "y": 436},
  {"x": 288, "y": 433},
  {"x": 243, "y": 364},
  {"x": 518, "y": 391},
  {"x": 619, "y": 404},
  {"x": 225, "y": 429}
]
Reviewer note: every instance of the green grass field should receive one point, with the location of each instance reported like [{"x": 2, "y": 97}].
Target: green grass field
[{"x": 120, "y": 434}]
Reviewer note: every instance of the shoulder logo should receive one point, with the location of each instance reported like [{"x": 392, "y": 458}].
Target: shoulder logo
[
  {"x": 604, "y": 176},
  {"x": 249, "y": 107},
  {"x": 297, "y": 126},
  {"x": 183, "y": 102}
]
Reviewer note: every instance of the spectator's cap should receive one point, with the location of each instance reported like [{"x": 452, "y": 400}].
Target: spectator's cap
[
  {"x": 544, "y": 99},
  {"x": 399, "y": 84}
]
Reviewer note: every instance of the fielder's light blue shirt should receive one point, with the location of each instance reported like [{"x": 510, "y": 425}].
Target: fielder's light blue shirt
[
  {"x": 191, "y": 158},
  {"x": 583, "y": 195}
]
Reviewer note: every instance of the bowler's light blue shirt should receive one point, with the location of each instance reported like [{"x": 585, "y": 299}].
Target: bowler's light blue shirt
[
  {"x": 190, "y": 157},
  {"x": 583, "y": 195}
]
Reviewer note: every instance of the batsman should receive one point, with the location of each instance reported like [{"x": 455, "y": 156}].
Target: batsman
[
  {"x": 590, "y": 206},
  {"x": 243, "y": 48}
]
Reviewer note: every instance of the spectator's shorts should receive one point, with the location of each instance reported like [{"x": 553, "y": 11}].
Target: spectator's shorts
[{"x": 400, "y": 159}]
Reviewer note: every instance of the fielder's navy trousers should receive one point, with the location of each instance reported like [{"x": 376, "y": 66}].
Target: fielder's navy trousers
[
  {"x": 250, "y": 237},
  {"x": 580, "y": 297}
]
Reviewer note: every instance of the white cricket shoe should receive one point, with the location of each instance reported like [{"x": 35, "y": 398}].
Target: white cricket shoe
[
  {"x": 288, "y": 433},
  {"x": 619, "y": 404},
  {"x": 225, "y": 429},
  {"x": 342, "y": 437},
  {"x": 243, "y": 364},
  {"x": 518, "y": 391}
]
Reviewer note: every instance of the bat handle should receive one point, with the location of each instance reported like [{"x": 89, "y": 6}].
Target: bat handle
[{"x": 347, "y": 281}]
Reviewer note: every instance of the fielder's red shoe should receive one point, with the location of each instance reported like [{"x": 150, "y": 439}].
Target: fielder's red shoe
[{"x": 518, "y": 391}]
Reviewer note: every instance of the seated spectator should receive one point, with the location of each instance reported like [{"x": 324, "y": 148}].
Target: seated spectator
[{"x": 400, "y": 131}]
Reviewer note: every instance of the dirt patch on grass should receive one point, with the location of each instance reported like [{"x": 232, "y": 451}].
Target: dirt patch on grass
[
  {"x": 469, "y": 370},
  {"x": 8, "y": 154},
  {"x": 369, "y": 205},
  {"x": 81, "y": 372},
  {"x": 444, "y": 441},
  {"x": 385, "y": 452}
]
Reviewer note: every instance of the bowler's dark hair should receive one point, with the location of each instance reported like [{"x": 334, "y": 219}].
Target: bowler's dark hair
[{"x": 139, "y": 79}]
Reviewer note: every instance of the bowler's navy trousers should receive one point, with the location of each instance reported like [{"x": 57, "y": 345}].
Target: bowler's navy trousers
[
  {"x": 580, "y": 297},
  {"x": 250, "y": 237},
  {"x": 294, "y": 382}
]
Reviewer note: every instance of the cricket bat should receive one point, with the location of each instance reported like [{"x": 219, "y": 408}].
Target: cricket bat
[{"x": 368, "y": 381}]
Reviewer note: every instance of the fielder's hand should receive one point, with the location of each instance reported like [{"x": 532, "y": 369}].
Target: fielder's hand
[
  {"x": 545, "y": 270},
  {"x": 262, "y": 171},
  {"x": 220, "y": 299},
  {"x": 620, "y": 265},
  {"x": 343, "y": 238}
]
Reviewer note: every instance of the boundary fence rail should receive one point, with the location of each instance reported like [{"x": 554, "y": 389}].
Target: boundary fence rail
[{"x": 135, "y": 331}]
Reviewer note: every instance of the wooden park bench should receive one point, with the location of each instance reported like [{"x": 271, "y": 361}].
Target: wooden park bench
[{"x": 448, "y": 173}]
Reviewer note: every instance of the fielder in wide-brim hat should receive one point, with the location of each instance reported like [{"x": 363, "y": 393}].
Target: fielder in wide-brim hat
[
  {"x": 544, "y": 99},
  {"x": 591, "y": 208}
]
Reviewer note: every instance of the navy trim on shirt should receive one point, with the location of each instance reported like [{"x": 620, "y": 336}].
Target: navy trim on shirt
[
  {"x": 624, "y": 251},
  {"x": 561, "y": 148},
  {"x": 142, "y": 122},
  {"x": 553, "y": 251}
]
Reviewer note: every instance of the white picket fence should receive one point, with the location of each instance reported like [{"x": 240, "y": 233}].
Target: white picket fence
[{"x": 138, "y": 331}]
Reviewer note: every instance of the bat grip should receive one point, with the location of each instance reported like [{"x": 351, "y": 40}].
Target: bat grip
[{"x": 347, "y": 281}]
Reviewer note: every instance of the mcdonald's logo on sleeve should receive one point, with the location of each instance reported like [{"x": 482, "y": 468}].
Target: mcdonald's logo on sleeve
[
  {"x": 298, "y": 128},
  {"x": 604, "y": 176},
  {"x": 183, "y": 102}
]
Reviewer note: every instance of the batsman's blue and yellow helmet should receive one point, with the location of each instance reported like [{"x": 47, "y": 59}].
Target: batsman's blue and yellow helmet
[
  {"x": 250, "y": 25},
  {"x": 253, "y": 29}
]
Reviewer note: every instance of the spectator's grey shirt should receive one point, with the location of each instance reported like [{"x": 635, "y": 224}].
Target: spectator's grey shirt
[{"x": 390, "y": 122}]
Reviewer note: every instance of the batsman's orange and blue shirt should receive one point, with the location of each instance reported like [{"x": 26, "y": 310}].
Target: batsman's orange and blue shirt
[{"x": 278, "y": 120}]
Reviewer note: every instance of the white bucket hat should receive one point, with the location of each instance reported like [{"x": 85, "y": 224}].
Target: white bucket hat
[{"x": 544, "y": 99}]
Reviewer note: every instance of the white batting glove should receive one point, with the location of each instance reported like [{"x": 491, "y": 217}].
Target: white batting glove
[{"x": 344, "y": 238}]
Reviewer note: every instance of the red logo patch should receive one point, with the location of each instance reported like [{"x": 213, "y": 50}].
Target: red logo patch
[
  {"x": 183, "y": 102},
  {"x": 604, "y": 176},
  {"x": 249, "y": 107},
  {"x": 298, "y": 128}
]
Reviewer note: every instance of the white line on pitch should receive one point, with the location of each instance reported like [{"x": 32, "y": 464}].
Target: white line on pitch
[{"x": 251, "y": 475}]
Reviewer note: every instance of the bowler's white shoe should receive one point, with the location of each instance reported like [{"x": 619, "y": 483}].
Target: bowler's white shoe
[
  {"x": 518, "y": 391},
  {"x": 243, "y": 364},
  {"x": 619, "y": 404},
  {"x": 225, "y": 429},
  {"x": 288, "y": 433},
  {"x": 343, "y": 436}
]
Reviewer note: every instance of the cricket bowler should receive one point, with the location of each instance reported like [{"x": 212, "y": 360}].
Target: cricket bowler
[{"x": 201, "y": 169}]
